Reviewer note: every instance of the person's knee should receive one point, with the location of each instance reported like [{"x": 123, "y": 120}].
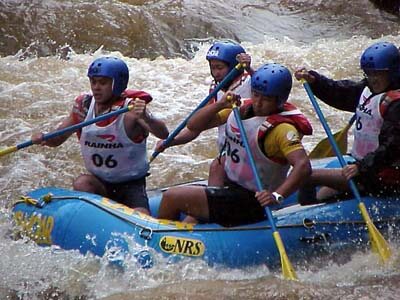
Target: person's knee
[
  {"x": 80, "y": 183},
  {"x": 170, "y": 198},
  {"x": 177, "y": 200},
  {"x": 215, "y": 164},
  {"x": 142, "y": 210},
  {"x": 168, "y": 207},
  {"x": 216, "y": 173},
  {"x": 86, "y": 183}
]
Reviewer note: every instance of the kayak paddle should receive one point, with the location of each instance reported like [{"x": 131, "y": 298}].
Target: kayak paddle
[
  {"x": 72, "y": 128},
  {"x": 378, "y": 242},
  {"x": 287, "y": 268}
]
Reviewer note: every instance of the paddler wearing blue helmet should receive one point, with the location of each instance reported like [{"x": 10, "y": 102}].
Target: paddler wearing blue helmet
[
  {"x": 222, "y": 57},
  {"x": 114, "y": 149},
  {"x": 274, "y": 129},
  {"x": 376, "y": 146}
]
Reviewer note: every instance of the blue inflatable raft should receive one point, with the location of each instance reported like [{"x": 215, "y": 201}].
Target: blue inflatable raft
[{"x": 91, "y": 223}]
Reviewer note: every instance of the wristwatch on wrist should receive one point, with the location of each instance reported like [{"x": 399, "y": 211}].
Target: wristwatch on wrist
[{"x": 278, "y": 197}]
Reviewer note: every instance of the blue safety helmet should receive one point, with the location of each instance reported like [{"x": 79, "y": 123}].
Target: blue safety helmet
[
  {"x": 111, "y": 67},
  {"x": 272, "y": 80},
  {"x": 381, "y": 56},
  {"x": 225, "y": 51}
]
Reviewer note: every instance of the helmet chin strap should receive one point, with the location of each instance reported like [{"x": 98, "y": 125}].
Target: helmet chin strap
[{"x": 112, "y": 86}]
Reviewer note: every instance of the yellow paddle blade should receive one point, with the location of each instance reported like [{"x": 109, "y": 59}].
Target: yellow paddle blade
[
  {"x": 8, "y": 150},
  {"x": 378, "y": 242},
  {"x": 287, "y": 268},
  {"x": 324, "y": 148}
]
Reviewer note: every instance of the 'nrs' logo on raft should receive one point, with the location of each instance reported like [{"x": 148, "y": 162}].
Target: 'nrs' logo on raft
[{"x": 177, "y": 245}]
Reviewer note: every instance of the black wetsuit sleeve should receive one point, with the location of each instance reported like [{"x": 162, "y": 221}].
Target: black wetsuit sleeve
[
  {"x": 389, "y": 143},
  {"x": 341, "y": 94}
]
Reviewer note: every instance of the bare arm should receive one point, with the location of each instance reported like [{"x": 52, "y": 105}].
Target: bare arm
[
  {"x": 203, "y": 119},
  {"x": 155, "y": 126},
  {"x": 185, "y": 136},
  {"x": 341, "y": 94},
  {"x": 300, "y": 172},
  {"x": 37, "y": 138},
  {"x": 139, "y": 115},
  {"x": 207, "y": 117}
]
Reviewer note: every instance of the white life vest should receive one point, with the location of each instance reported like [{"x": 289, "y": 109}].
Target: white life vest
[
  {"x": 368, "y": 124},
  {"x": 237, "y": 165},
  {"x": 109, "y": 153},
  {"x": 241, "y": 87}
]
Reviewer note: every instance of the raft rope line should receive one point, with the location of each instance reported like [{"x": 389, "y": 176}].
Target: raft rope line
[
  {"x": 195, "y": 182},
  {"x": 47, "y": 198}
]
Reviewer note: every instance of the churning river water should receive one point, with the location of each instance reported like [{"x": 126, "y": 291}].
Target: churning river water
[{"x": 45, "y": 49}]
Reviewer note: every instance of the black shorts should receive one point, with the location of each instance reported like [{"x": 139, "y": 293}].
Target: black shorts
[
  {"x": 130, "y": 193},
  {"x": 233, "y": 205}
]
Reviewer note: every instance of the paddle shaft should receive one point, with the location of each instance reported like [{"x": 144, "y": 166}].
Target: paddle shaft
[
  {"x": 287, "y": 268},
  {"x": 182, "y": 125},
  {"x": 330, "y": 137},
  {"x": 72, "y": 128}
]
